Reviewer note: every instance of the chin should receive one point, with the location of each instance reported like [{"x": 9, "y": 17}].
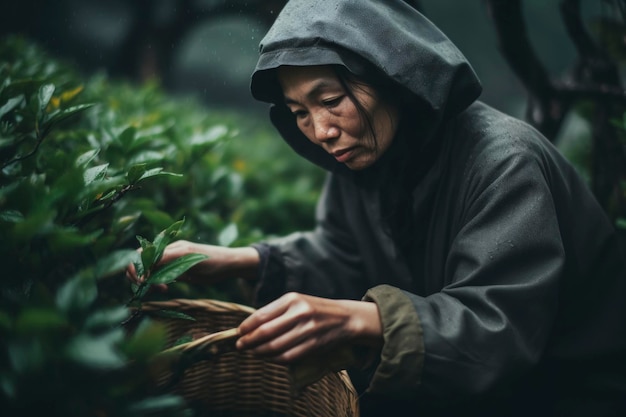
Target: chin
[
  {"x": 364, "y": 160},
  {"x": 359, "y": 165}
]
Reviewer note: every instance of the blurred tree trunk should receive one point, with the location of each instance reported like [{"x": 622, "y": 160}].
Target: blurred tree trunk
[
  {"x": 594, "y": 79},
  {"x": 147, "y": 49}
]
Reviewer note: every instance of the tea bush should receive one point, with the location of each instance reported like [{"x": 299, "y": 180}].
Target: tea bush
[{"x": 90, "y": 168}]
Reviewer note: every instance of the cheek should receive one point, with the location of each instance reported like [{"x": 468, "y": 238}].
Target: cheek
[{"x": 354, "y": 126}]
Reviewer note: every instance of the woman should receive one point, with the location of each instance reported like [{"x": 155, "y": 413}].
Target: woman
[{"x": 456, "y": 251}]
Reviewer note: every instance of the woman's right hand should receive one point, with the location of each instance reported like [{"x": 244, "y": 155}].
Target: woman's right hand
[{"x": 222, "y": 262}]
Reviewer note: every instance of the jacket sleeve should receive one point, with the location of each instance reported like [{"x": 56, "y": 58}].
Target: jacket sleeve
[
  {"x": 491, "y": 320},
  {"x": 323, "y": 262}
]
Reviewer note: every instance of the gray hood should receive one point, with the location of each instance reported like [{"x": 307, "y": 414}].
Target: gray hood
[{"x": 389, "y": 36}]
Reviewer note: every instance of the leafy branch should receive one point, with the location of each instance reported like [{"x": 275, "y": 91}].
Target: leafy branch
[
  {"x": 150, "y": 272},
  {"x": 44, "y": 120}
]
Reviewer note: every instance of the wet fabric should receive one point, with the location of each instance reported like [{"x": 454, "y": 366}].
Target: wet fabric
[{"x": 500, "y": 282}]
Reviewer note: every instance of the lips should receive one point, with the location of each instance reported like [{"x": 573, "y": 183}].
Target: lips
[{"x": 343, "y": 155}]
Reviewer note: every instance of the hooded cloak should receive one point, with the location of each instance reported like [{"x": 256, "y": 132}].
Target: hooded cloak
[{"x": 509, "y": 296}]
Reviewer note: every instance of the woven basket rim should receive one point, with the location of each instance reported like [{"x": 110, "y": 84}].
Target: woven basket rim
[
  {"x": 204, "y": 303},
  {"x": 220, "y": 306}
]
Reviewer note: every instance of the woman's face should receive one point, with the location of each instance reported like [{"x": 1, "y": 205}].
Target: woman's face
[{"x": 329, "y": 118}]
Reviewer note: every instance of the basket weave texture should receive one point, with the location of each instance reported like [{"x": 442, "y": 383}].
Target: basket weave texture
[{"x": 237, "y": 383}]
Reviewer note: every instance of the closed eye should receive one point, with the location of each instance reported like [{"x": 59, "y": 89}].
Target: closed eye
[
  {"x": 299, "y": 113},
  {"x": 333, "y": 102}
]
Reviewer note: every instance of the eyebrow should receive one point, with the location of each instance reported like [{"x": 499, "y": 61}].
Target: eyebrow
[{"x": 317, "y": 88}]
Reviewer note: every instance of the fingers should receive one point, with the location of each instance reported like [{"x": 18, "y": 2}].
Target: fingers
[
  {"x": 131, "y": 272},
  {"x": 267, "y": 313},
  {"x": 284, "y": 330},
  {"x": 288, "y": 348}
]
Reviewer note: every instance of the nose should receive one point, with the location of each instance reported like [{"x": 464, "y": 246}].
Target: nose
[{"x": 324, "y": 127}]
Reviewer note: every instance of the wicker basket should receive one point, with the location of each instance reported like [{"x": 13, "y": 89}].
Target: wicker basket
[{"x": 226, "y": 382}]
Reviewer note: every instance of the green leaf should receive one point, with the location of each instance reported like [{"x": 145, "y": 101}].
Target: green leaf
[
  {"x": 124, "y": 222},
  {"x": 183, "y": 339},
  {"x": 155, "y": 404},
  {"x": 148, "y": 339},
  {"x": 87, "y": 157},
  {"x": 211, "y": 135},
  {"x": 143, "y": 242},
  {"x": 139, "y": 290},
  {"x": 135, "y": 173},
  {"x": 172, "y": 314},
  {"x": 77, "y": 294},
  {"x": 26, "y": 355},
  {"x": 98, "y": 352},
  {"x": 127, "y": 136},
  {"x": 106, "y": 318},
  {"x": 95, "y": 173},
  {"x": 159, "y": 219},
  {"x": 45, "y": 94},
  {"x": 148, "y": 156},
  {"x": 165, "y": 237},
  {"x": 148, "y": 256},
  {"x": 157, "y": 172},
  {"x": 172, "y": 270},
  {"x": 37, "y": 320},
  {"x": 36, "y": 223},
  {"x": 228, "y": 235},
  {"x": 11, "y": 216},
  {"x": 115, "y": 262},
  {"x": 139, "y": 269},
  {"x": 7, "y": 386},
  {"x": 10, "y": 105},
  {"x": 70, "y": 111},
  {"x": 66, "y": 239}
]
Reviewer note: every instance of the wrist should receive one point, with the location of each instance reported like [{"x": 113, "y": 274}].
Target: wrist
[
  {"x": 245, "y": 261},
  {"x": 365, "y": 323}
]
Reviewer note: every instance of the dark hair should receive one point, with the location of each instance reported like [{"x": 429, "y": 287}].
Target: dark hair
[{"x": 384, "y": 88}]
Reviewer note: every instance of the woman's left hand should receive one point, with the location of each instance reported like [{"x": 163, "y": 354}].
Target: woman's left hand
[{"x": 297, "y": 325}]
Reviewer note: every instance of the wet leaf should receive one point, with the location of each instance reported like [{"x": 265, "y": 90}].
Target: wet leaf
[
  {"x": 44, "y": 96},
  {"x": 115, "y": 262},
  {"x": 148, "y": 256},
  {"x": 95, "y": 173},
  {"x": 148, "y": 339},
  {"x": 106, "y": 318},
  {"x": 11, "y": 104},
  {"x": 70, "y": 111},
  {"x": 127, "y": 136},
  {"x": 36, "y": 320},
  {"x": 183, "y": 339},
  {"x": 165, "y": 237},
  {"x": 97, "y": 351},
  {"x": 228, "y": 235},
  {"x": 11, "y": 216},
  {"x": 135, "y": 173},
  {"x": 158, "y": 218},
  {"x": 173, "y": 314},
  {"x": 157, "y": 172},
  {"x": 155, "y": 404},
  {"x": 77, "y": 294},
  {"x": 87, "y": 157},
  {"x": 172, "y": 270}
]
